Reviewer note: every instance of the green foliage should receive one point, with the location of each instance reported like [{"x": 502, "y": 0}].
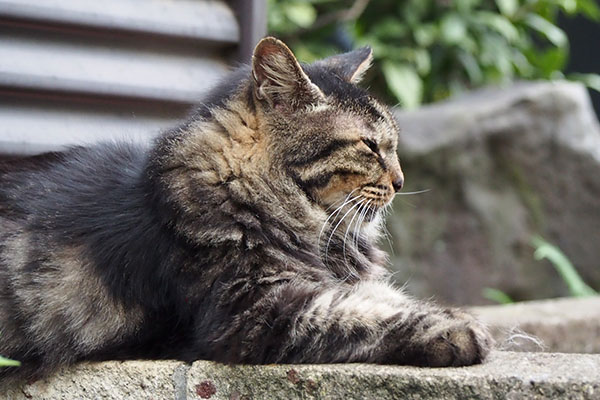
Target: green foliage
[
  {"x": 5, "y": 362},
  {"x": 497, "y": 296},
  {"x": 427, "y": 50},
  {"x": 545, "y": 250}
]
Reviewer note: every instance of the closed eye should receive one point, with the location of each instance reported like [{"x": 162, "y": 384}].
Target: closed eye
[{"x": 371, "y": 144}]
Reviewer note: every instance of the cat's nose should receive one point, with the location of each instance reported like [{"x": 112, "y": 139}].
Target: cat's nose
[
  {"x": 396, "y": 176},
  {"x": 397, "y": 183}
]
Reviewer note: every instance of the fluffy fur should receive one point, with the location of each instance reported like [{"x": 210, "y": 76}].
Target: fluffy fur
[{"x": 245, "y": 235}]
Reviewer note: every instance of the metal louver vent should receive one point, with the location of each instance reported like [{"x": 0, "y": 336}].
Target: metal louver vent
[{"x": 78, "y": 71}]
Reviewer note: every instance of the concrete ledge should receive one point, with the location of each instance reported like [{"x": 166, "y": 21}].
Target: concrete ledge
[
  {"x": 506, "y": 375},
  {"x": 569, "y": 325}
]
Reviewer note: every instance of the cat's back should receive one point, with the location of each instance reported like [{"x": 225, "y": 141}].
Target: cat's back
[{"x": 75, "y": 181}]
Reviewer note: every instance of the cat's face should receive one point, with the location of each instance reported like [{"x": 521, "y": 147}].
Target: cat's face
[{"x": 337, "y": 142}]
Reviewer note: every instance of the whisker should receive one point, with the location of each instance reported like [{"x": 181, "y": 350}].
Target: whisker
[
  {"x": 360, "y": 222},
  {"x": 386, "y": 232},
  {"x": 335, "y": 204},
  {"x": 333, "y": 214},
  {"x": 335, "y": 228},
  {"x": 409, "y": 203},
  {"x": 417, "y": 192},
  {"x": 357, "y": 212}
]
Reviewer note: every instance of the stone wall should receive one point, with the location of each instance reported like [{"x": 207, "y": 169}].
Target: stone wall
[{"x": 501, "y": 166}]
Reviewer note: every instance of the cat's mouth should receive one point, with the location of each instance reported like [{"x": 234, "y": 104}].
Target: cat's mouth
[{"x": 377, "y": 196}]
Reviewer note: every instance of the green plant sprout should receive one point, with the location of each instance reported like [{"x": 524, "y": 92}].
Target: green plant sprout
[
  {"x": 544, "y": 250},
  {"x": 496, "y": 295},
  {"x": 5, "y": 362}
]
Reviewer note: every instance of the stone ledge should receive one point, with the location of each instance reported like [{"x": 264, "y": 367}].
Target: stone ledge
[
  {"x": 506, "y": 375},
  {"x": 567, "y": 325}
]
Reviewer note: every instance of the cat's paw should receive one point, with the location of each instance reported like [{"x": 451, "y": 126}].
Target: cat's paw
[
  {"x": 449, "y": 338},
  {"x": 457, "y": 340}
]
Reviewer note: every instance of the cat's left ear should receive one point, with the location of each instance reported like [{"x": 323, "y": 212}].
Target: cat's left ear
[
  {"x": 350, "y": 66},
  {"x": 278, "y": 76}
]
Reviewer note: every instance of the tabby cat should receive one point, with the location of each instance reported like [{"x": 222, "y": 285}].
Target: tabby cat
[{"x": 245, "y": 235}]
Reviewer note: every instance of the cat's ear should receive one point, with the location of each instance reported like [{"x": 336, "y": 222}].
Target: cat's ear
[
  {"x": 350, "y": 66},
  {"x": 279, "y": 78}
]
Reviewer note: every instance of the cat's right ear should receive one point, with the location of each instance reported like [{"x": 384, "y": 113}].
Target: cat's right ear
[{"x": 279, "y": 78}]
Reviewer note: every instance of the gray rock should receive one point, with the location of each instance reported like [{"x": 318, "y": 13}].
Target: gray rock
[
  {"x": 501, "y": 166},
  {"x": 570, "y": 325}
]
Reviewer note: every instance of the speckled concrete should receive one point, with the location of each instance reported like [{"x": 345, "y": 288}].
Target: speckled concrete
[{"x": 506, "y": 375}]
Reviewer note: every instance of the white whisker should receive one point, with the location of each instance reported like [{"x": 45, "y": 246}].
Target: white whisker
[
  {"x": 360, "y": 222},
  {"x": 357, "y": 212},
  {"x": 335, "y": 228},
  {"x": 407, "y": 193},
  {"x": 333, "y": 214}
]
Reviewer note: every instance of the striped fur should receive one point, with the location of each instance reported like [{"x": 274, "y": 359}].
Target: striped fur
[{"x": 244, "y": 235}]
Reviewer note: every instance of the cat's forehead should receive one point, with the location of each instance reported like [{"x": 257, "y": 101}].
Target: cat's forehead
[
  {"x": 353, "y": 106},
  {"x": 346, "y": 94},
  {"x": 332, "y": 84}
]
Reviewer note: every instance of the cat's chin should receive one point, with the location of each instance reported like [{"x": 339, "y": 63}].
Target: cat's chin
[{"x": 371, "y": 228}]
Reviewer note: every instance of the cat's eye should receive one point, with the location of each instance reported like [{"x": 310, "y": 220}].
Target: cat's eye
[{"x": 371, "y": 144}]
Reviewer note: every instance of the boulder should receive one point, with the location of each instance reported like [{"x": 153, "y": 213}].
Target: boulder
[{"x": 501, "y": 165}]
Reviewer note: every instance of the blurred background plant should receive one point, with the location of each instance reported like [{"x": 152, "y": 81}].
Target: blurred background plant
[
  {"x": 428, "y": 50},
  {"x": 544, "y": 250},
  {"x": 5, "y": 362}
]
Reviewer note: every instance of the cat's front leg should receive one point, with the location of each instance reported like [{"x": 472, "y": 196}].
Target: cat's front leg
[{"x": 304, "y": 322}]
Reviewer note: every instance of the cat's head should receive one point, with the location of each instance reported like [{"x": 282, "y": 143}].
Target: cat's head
[{"x": 336, "y": 141}]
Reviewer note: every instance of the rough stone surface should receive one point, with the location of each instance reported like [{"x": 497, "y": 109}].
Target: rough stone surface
[
  {"x": 109, "y": 380},
  {"x": 569, "y": 325},
  {"x": 505, "y": 375},
  {"x": 501, "y": 166}
]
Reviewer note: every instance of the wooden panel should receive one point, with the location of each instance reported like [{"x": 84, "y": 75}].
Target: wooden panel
[{"x": 193, "y": 19}]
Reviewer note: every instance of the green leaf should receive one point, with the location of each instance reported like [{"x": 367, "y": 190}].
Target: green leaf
[
  {"x": 496, "y": 56},
  {"x": 590, "y": 80},
  {"x": 544, "y": 250},
  {"x": 589, "y": 8},
  {"x": 389, "y": 28},
  {"x": 425, "y": 34},
  {"x": 301, "y": 14},
  {"x": 471, "y": 67},
  {"x": 508, "y": 7},
  {"x": 549, "y": 61},
  {"x": 422, "y": 61},
  {"x": 404, "y": 82},
  {"x": 569, "y": 6},
  {"x": 5, "y": 362},
  {"x": 523, "y": 66},
  {"x": 552, "y": 32},
  {"x": 496, "y": 295},
  {"x": 453, "y": 29},
  {"x": 498, "y": 23}
]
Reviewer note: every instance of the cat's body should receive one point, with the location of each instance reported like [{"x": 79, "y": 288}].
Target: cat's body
[{"x": 245, "y": 235}]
